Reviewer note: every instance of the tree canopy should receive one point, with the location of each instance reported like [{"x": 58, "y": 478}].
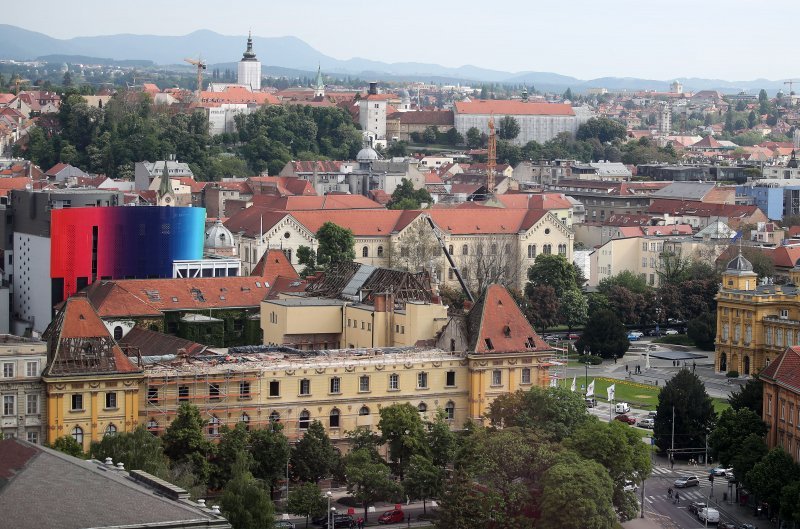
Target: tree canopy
[
  {"x": 334, "y": 244},
  {"x": 694, "y": 413},
  {"x": 604, "y": 129},
  {"x": 406, "y": 197},
  {"x": 314, "y": 457},
  {"x": 604, "y": 335},
  {"x": 508, "y": 128}
]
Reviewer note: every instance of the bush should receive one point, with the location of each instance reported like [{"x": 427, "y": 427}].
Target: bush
[
  {"x": 732, "y": 374},
  {"x": 592, "y": 359}
]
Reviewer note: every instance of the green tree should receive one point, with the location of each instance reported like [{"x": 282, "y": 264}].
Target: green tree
[
  {"x": 604, "y": 335},
  {"x": 233, "y": 444},
  {"x": 567, "y": 94},
  {"x": 541, "y": 306},
  {"x": 270, "y": 451},
  {"x": 362, "y": 438},
  {"x": 751, "y": 452},
  {"x": 790, "y": 502},
  {"x": 627, "y": 279},
  {"x": 406, "y": 197},
  {"x": 703, "y": 330},
  {"x": 574, "y": 308},
  {"x": 403, "y": 430},
  {"x": 423, "y": 480},
  {"x": 429, "y": 135},
  {"x": 694, "y": 413},
  {"x": 603, "y": 129},
  {"x": 69, "y": 446},
  {"x": 335, "y": 244},
  {"x": 308, "y": 258},
  {"x": 731, "y": 430},
  {"x": 554, "y": 413},
  {"x": 398, "y": 149},
  {"x": 368, "y": 481},
  {"x": 306, "y": 500},
  {"x": 555, "y": 271},
  {"x": 184, "y": 441},
  {"x": 762, "y": 263},
  {"x": 226, "y": 166},
  {"x": 137, "y": 450},
  {"x": 461, "y": 505},
  {"x": 752, "y": 119},
  {"x": 244, "y": 503},
  {"x": 474, "y": 140},
  {"x": 508, "y": 128},
  {"x": 577, "y": 494},
  {"x": 771, "y": 474},
  {"x": 441, "y": 440},
  {"x": 750, "y": 396},
  {"x": 314, "y": 457}
]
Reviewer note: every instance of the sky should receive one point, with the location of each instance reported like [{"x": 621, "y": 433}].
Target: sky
[{"x": 587, "y": 39}]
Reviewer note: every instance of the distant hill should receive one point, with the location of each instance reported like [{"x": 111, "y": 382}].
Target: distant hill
[
  {"x": 83, "y": 59},
  {"x": 291, "y": 54}
]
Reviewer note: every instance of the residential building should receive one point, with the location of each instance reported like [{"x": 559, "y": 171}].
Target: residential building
[
  {"x": 146, "y": 172},
  {"x": 605, "y": 171},
  {"x": 775, "y": 197},
  {"x": 602, "y": 200},
  {"x": 700, "y": 214},
  {"x": 43, "y": 487},
  {"x": 401, "y": 124},
  {"x": 708, "y": 192},
  {"x": 92, "y": 385},
  {"x": 537, "y": 121},
  {"x": 22, "y": 361},
  {"x": 781, "y": 401}
]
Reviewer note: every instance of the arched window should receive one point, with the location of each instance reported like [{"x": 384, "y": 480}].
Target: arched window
[
  {"x": 363, "y": 411},
  {"x": 333, "y": 418},
  {"x": 723, "y": 362},
  {"x": 245, "y": 419},
  {"x": 746, "y": 365},
  {"x": 111, "y": 430},
  {"x": 531, "y": 251},
  {"x": 380, "y": 251},
  {"x": 152, "y": 426},
  {"x": 304, "y": 419},
  {"x": 118, "y": 332},
  {"x": 465, "y": 250},
  {"x": 493, "y": 249},
  {"x": 274, "y": 417},
  {"x": 77, "y": 434},
  {"x": 365, "y": 251},
  {"x": 450, "y": 410},
  {"x": 422, "y": 407},
  {"x": 213, "y": 426},
  {"x": 450, "y": 249}
]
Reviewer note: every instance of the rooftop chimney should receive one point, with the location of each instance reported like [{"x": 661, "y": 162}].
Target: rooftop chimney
[
  {"x": 120, "y": 466},
  {"x": 215, "y": 509},
  {"x": 201, "y": 502},
  {"x": 109, "y": 462}
]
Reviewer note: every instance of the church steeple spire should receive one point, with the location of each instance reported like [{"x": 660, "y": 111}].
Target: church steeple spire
[
  {"x": 166, "y": 195},
  {"x": 319, "y": 85},
  {"x": 249, "y": 55}
]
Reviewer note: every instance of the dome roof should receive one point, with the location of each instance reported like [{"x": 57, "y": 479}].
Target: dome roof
[
  {"x": 740, "y": 264},
  {"x": 218, "y": 236},
  {"x": 367, "y": 154}
]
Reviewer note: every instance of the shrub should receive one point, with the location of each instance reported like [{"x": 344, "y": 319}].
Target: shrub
[
  {"x": 592, "y": 359},
  {"x": 732, "y": 374}
]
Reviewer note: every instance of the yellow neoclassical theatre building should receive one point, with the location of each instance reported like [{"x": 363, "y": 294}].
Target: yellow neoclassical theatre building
[{"x": 755, "y": 322}]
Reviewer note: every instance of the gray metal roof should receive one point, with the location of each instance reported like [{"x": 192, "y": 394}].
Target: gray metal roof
[
  {"x": 685, "y": 190},
  {"x": 357, "y": 281}
]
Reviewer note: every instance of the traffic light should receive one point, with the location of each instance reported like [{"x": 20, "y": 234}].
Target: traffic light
[{"x": 711, "y": 478}]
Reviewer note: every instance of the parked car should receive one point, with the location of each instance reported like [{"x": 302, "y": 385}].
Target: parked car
[
  {"x": 727, "y": 525},
  {"x": 687, "y": 481},
  {"x": 590, "y": 402},
  {"x": 339, "y": 521},
  {"x": 671, "y": 332},
  {"x": 719, "y": 471},
  {"x": 283, "y": 524},
  {"x": 622, "y": 407},
  {"x": 730, "y": 477},
  {"x": 625, "y": 418},
  {"x": 654, "y": 332},
  {"x": 551, "y": 338},
  {"x": 652, "y": 414},
  {"x": 696, "y": 506},
  {"x": 392, "y": 516},
  {"x": 630, "y": 486},
  {"x": 708, "y": 515},
  {"x": 647, "y": 423},
  {"x": 633, "y": 337},
  {"x": 573, "y": 336}
]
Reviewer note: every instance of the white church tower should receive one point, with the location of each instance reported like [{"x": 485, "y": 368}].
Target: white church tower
[{"x": 250, "y": 68}]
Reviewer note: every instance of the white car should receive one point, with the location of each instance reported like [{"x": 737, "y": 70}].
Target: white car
[
  {"x": 630, "y": 486},
  {"x": 708, "y": 514},
  {"x": 671, "y": 332},
  {"x": 622, "y": 407}
]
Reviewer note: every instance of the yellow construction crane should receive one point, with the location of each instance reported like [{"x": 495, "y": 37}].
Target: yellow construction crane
[
  {"x": 791, "y": 82},
  {"x": 201, "y": 65}
]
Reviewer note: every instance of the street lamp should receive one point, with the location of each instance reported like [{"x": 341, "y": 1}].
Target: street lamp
[{"x": 330, "y": 522}]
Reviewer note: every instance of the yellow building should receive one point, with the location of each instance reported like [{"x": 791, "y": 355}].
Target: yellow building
[
  {"x": 92, "y": 386},
  {"x": 755, "y": 322},
  {"x": 491, "y": 351}
]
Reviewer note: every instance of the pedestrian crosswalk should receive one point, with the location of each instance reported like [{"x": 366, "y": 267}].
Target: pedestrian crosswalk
[{"x": 686, "y": 495}]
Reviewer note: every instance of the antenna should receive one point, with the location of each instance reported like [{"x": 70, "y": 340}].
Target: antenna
[{"x": 491, "y": 156}]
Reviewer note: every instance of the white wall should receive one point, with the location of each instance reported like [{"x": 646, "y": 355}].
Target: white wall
[{"x": 32, "y": 300}]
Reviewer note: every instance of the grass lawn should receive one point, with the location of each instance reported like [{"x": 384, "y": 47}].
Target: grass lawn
[
  {"x": 641, "y": 396},
  {"x": 720, "y": 404}
]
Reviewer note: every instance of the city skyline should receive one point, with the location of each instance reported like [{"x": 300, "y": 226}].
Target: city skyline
[{"x": 658, "y": 40}]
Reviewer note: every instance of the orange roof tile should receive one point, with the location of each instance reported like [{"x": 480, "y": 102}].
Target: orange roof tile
[
  {"x": 273, "y": 264},
  {"x": 784, "y": 370},
  {"x": 501, "y": 326}
]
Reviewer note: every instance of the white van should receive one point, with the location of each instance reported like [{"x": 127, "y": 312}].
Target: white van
[
  {"x": 709, "y": 515},
  {"x": 622, "y": 407}
]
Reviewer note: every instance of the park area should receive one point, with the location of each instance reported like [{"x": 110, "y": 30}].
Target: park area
[{"x": 641, "y": 396}]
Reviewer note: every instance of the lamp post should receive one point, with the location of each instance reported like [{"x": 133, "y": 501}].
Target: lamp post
[{"x": 330, "y": 523}]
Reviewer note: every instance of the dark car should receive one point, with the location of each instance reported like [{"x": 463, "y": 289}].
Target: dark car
[
  {"x": 625, "y": 418},
  {"x": 339, "y": 520},
  {"x": 727, "y": 525},
  {"x": 283, "y": 524},
  {"x": 696, "y": 506},
  {"x": 393, "y": 516}
]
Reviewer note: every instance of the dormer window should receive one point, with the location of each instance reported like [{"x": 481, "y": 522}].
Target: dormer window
[{"x": 784, "y": 314}]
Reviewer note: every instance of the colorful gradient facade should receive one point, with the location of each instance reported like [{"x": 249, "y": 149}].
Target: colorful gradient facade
[{"x": 141, "y": 242}]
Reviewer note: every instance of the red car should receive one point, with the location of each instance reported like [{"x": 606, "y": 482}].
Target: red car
[
  {"x": 392, "y": 516},
  {"x": 625, "y": 418}
]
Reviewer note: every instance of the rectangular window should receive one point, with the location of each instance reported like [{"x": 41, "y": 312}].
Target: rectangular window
[
  {"x": 183, "y": 393},
  {"x": 768, "y": 335},
  {"x": 422, "y": 380},
  {"x": 526, "y": 375},
  {"x": 152, "y": 395},
  {"x": 32, "y": 407},
  {"x": 8, "y": 370},
  {"x": 363, "y": 383},
  {"x": 737, "y": 333},
  {"x": 77, "y": 402},
  {"x": 33, "y": 437},
  {"x": 8, "y": 405},
  {"x": 32, "y": 369},
  {"x": 336, "y": 385},
  {"x": 213, "y": 391},
  {"x": 644, "y": 262},
  {"x": 748, "y": 334},
  {"x": 394, "y": 381},
  {"x": 497, "y": 377},
  {"x": 725, "y": 331},
  {"x": 274, "y": 388},
  {"x": 111, "y": 400},
  {"x": 244, "y": 390},
  {"x": 305, "y": 387},
  {"x": 450, "y": 379}
]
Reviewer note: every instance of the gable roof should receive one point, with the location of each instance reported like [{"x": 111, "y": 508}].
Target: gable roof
[
  {"x": 785, "y": 369},
  {"x": 314, "y": 202},
  {"x": 152, "y": 343},
  {"x": 496, "y": 325},
  {"x": 273, "y": 264},
  {"x": 79, "y": 343},
  {"x": 700, "y": 209},
  {"x": 510, "y": 107}
]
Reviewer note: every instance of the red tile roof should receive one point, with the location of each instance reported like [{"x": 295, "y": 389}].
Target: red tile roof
[
  {"x": 53, "y": 171},
  {"x": 314, "y": 202},
  {"x": 273, "y": 264},
  {"x": 785, "y": 256},
  {"x": 284, "y": 185},
  {"x": 501, "y": 326},
  {"x": 284, "y": 285},
  {"x": 545, "y": 201},
  {"x": 708, "y": 142},
  {"x": 509, "y": 107},
  {"x": 785, "y": 370},
  {"x": 700, "y": 209},
  {"x": 236, "y": 95}
]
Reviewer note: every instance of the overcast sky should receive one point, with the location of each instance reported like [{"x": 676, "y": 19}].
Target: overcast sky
[{"x": 656, "y": 39}]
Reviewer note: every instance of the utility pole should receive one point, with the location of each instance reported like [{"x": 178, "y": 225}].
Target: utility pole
[
  {"x": 643, "y": 497},
  {"x": 672, "y": 449}
]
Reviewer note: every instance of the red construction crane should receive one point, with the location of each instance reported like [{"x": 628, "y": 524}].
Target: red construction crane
[{"x": 491, "y": 161}]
